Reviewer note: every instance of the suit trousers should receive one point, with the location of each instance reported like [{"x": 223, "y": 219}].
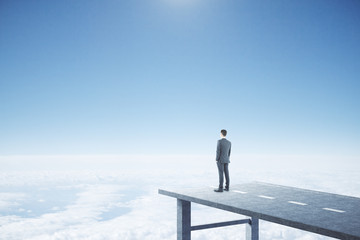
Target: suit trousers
[{"x": 223, "y": 168}]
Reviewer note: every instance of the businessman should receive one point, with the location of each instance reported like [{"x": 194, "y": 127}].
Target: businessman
[{"x": 223, "y": 159}]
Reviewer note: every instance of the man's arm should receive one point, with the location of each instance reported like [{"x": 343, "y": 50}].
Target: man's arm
[
  {"x": 218, "y": 151},
  {"x": 230, "y": 150}
]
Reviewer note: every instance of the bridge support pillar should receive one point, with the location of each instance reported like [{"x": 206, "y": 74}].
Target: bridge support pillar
[
  {"x": 252, "y": 229},
  {"x": 183, "y": 220}
]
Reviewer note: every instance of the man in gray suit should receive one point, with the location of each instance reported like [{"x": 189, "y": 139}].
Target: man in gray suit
[{"x": 223, "y": 159}]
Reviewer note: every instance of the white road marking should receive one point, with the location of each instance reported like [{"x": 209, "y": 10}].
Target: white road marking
[
  {"x": 267, "y": 197},
  {"x": 292, "y": 202},
  {"x": 237, "y": 191},
  {"x": 334, "y": 210},
  {"x": 297, "y": 203}
]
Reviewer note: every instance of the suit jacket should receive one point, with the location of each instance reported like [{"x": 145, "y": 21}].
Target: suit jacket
[{"x": 223, "y": 150}]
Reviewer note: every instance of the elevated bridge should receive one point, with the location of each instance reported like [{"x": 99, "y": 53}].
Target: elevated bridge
[{"x": 323, "y": 213}]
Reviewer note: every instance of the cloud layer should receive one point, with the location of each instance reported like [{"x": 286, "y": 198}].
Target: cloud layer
[{"x": 124, "y": 203}]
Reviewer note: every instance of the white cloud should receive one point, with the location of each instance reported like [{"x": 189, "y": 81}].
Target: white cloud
[
  {"x": 148, "y": 215},
  {"x": 10, "y": 199}
]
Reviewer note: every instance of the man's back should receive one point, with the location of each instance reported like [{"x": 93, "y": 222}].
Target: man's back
[{"x": 223, "y": 150}]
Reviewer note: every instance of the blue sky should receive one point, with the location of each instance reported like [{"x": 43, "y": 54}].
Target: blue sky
[{"x": 164, "y": 76}]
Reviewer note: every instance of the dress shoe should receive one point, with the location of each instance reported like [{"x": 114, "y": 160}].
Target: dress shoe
[
  {"x": 226, "y": 189},
  {"x": 218, "y": 190}
]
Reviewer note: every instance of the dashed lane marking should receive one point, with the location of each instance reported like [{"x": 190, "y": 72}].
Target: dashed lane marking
[
  {"x": 267, "y": 197},
  {"x": 334, "y": 210},
  {"x": 297, "y": 203},
  {"x": 238, "y": 191}
]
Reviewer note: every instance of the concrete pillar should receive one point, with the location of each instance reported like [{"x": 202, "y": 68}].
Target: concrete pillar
[
  {"x": 183, "y": 220},
  {"x": 252, "y": 229}
]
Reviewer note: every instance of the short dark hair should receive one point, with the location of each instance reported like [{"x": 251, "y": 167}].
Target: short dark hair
[{"x": 223, "y": 132}]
